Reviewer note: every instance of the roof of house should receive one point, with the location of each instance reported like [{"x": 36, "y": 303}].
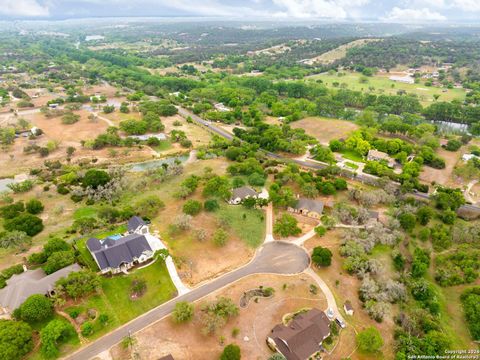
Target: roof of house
[
  {"x": 303, "y": 336},
  {"x": 134, "y": 223},
  {"x": 378, "y": 154},
  {"x": 112, "y": 253},
  {"x": 310, "y": 205},
  {"x": 21, "y": 286},
  {"x": 348, "y": 305},
  {"x": 168, "y": 357},
  {"x": 243, "y": 192}
]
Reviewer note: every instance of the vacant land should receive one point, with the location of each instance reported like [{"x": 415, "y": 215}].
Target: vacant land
[
  {"x": 345, "y": 287},
  {"x": 338, "y": 53},
  {"x": 381, "y": 84},
  {"x": 443, "y": 176},
  {"x": 185, "y": 341},
  {"x": 325, "y": 129}
]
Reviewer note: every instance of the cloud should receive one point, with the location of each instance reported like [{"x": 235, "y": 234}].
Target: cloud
[
  {"x": 23, "y": 8},
  {"x": 467, "y": 5},
  {"x": 412, "y": 15}
]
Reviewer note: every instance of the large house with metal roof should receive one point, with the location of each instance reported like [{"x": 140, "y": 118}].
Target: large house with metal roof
[{"x": 119, "y": 253}]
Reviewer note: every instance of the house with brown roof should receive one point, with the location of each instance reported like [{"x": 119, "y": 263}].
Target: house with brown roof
[
  {"x": 302, "y": 338},
  {"x": 307, "y": 207}
]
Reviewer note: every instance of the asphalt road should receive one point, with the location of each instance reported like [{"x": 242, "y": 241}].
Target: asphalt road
[
  {"x": 274, "y": 257},
  {"x": 309, "y": 164}
]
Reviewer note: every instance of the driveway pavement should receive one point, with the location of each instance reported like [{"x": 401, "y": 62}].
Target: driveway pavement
[{"x": 274, "y": 257}]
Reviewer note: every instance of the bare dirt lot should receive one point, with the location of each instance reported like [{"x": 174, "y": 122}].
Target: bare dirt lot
[
  {"x": 347, "y": 289},
  {"x": 185, "y": 341},
  {"x": 325, "y": 129},
  {"x": 443, "y": 176}
]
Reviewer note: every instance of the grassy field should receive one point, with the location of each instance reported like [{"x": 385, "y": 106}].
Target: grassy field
[
  {"x": 381, "y": 84},
  {"x": 339, "y": 52},
  {"x": 351, "y": 155},
  {"x": 247, "y": 224},
  {"x": 325, "y": 129}
]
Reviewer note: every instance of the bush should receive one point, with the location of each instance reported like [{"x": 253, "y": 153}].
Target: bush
[
  {"x": 192, "y": 207},
  {"x": 70, "y": 118},
  {"x": 183, "y": 312},
  {"x": 211, "y": 205},
  {"x": 58, "y": 260},
  {"x": 35, "y": 308},
  {"x": 220, "y": 237},
  {"x": 256, "y": 179},
  {"x": 471, "y": 307},
  {"x": 320, "y": 230},
  {"x": 321, "y": 256},
  {"x": 94, "y": 178},
  {"x": 16, "y": 339},
  {"x": 231, "y": 352},
  {"x": 34, "y": 206},
  {"x": 87, "y": 328},
  {"x": 453, "y": 145},
  {"x": 14, "y": 239},
  {"x": 28, "y": 223},
  {"x": 369, "y": 340},
  {"x": 52, "y": 335},
  {"x": 286, "y": 226}
]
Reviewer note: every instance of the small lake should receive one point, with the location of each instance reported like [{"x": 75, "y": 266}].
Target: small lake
[
  {"x": 451, "y": 126},
  {"x": 155, "y": 164},
  {"x": 4, "y": 183}
]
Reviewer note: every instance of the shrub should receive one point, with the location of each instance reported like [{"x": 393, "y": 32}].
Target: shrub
[
  {"x": 231, "y": 352},
  {"x": 28, "y": 223},
  {"x": 36, "y": 308},
  {"x": 192, "y": 207},
  {"x": 471, "y": 307},
  {"x": 58, "y": 260},
  {"x": 87, "y": 328},
  {"x": 56, "y": 332},
  {"x": 220, "y": 237},
  {"x": 70, "y": 118},
  {"x": 34, "y": 206},
  {"x": 183, "y": 312},
  {"x": 211, "y": 205},
  {"x": 320, "y": 230},
  {"x": 321, "y": 256},
  {"x": 369, "y": 340},
  {"x": 286, "y": 226},
  {"x": 94, "y": 178},
  {"x": 16, "y": 339}
]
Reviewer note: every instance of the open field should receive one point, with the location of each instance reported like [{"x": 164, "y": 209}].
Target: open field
[
  {"x": 185, "y": 341},
  {"x": 325, "y": 129},
  {"x": 338, "y": 53},
  {"x": 443, "y": 176},
  {"x": 381, "y": 84}
]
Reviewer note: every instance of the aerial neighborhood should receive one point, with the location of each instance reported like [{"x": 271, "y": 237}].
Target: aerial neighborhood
[{"x": 260, "y": 190}]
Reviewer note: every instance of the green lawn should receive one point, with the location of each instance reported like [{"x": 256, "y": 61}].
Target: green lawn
[
  {"x": 114, "y": 298},
  {"x": 84, "y": 212},
  {"x": 164, "y": 145},
  {"x": 351, "y": 165},
  {"x": 250, "y": 229},
  {"x": 352, "y": 155},
  {"x": 383, "y": 85}
]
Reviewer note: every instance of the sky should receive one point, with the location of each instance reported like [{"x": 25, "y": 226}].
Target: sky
[{"x": 401, "y": 11}]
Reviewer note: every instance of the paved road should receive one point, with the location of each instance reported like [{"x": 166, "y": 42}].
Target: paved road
[
  {"x": 305, "y": 163},
  {"x": 274, "y": 257}
]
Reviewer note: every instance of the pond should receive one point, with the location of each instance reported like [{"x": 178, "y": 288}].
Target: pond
[
  {"x": 4, "y": 183},
  {"x": 155, "y": 164},
  {"x": 447, "y": 126}
]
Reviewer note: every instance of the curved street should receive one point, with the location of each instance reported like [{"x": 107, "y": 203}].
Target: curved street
[{"x": 273, "y": 257}]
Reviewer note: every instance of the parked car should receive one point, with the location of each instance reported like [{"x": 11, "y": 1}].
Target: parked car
[
  {"x": 330, "y": 313},
  {"x": 341, "y": 323}
]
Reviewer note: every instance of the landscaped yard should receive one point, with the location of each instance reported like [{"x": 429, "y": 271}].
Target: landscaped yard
[
  {"x": 352, "y": 155},
  {"x": 115, "y": 299}
]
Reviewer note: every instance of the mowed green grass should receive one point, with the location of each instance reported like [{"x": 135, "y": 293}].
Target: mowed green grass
[
  {"x": 114, "y": 297},
  {"x": 352, "y": 155},
  {"x": 383, "y": 85},
  {"x": 247, "y": 224}
]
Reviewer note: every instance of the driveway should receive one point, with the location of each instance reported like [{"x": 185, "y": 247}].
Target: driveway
[{"x": 274, "y": 257}]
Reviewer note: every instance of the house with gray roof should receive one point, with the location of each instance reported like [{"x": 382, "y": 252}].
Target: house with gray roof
[
  {"x": 137, "y": 225},
  {"x": 302, "y": 338},
  {"x": 30, "y": 282},
  {"x": 307, "y": 207},
  {"x": 242, "y": 193},
  {"x": 119, "y": 253}
]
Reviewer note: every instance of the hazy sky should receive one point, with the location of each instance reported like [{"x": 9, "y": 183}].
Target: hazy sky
[{"x": 382, "y": 10}]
